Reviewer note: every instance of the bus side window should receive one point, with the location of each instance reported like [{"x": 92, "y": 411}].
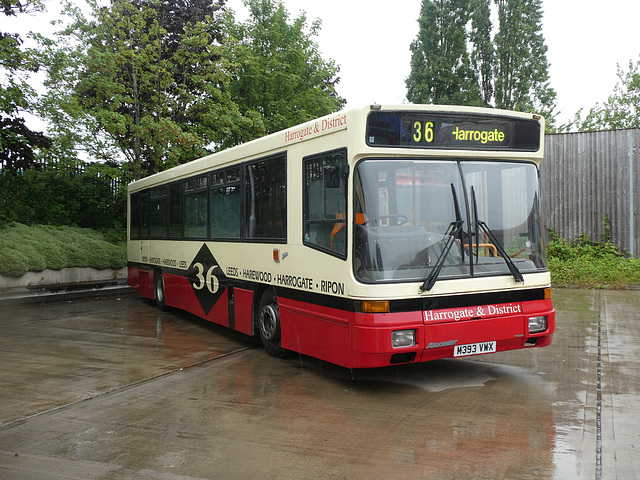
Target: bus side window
[
  {"x": 325, "y": 200},
  {"x": 144, "y": 215},
  {"x": 225, "y": 204},
  {"x": 134, "y": 217},
  {"x": 196, "y": 208},
  {"x": 175, "y": 210},
  {"x": 266, "y": 199},
  {"x": 159, "y": 206}
]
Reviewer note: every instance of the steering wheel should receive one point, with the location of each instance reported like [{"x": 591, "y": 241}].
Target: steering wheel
[{"x": 400, "y": 218}]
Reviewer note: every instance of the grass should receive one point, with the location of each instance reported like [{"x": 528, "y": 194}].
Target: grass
[
  {"x": 583, "y": 263},
  {"x": 36, "y": 248}
]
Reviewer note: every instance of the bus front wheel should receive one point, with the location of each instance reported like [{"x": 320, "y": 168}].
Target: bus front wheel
[{"x": 269, "y": 325}]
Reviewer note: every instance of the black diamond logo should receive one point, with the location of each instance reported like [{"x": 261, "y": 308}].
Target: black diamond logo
[{"x": 206, "y": 278}]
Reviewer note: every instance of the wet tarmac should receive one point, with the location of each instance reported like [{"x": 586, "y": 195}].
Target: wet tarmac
[{"x": 114, "y": 389}]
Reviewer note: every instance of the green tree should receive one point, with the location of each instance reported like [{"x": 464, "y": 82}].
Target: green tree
[
  {"x": 159, "y": 96},
  {"x": 522, "y": 70},
  {"x": 18, "y": 143},
  {"x": 483, "y": 51},
  {"x": 440, "y": 63},
  {"x": 460, "y": 57},
  {"x": 622, "y": 108},
  {"x": 281, "y": 73}
]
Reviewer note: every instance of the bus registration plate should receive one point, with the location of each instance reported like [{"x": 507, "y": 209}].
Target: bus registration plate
[{"x": 474, "y": 349}]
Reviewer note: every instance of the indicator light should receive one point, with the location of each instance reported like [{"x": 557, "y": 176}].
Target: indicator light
[{"x": 375, "y": 306}]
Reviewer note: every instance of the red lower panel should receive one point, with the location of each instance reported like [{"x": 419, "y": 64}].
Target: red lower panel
[
  {"x": 371, "y": 335},
  {"x": 179, "y": 294},
  {"x": 141, "y": 281},
  {"x": 355, "y": 340},
  {"x": 133, "y": 278},
  {"x": 316, "y": 331},
  {"x": 507, "y": 332},
  {"x": 243, "y": 301}
]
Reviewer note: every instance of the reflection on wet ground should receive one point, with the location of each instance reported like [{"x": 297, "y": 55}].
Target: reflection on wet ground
[
  {"x": 62, "y": 353},
  {"x": 115, "y": 389}
]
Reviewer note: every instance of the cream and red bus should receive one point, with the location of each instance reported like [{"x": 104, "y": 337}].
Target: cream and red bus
[{"x": 371, "y": 237}]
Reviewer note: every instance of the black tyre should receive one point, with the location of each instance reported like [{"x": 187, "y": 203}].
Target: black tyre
[
  {"x": 269, "y": 325},
  {"x": 158, "y": 291}
]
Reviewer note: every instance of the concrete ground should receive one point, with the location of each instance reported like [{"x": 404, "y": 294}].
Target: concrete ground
[{"x": 114, "y": 389}]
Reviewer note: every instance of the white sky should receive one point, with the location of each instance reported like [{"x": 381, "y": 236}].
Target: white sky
[{"x": 369, "y": 40}]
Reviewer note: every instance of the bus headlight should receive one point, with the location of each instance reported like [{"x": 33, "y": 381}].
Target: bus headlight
[
  {"x": 403, "y": 338},
  {"x": 537, "y": 324}
]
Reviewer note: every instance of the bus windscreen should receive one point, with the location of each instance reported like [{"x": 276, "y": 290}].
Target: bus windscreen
[{"x": 448, "y": 131}]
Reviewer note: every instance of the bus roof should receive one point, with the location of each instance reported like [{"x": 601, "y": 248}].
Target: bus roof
[{"x": 355, "y": 118}]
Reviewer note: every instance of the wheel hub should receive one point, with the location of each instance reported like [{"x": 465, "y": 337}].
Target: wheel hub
[{"x": 268, "y": 322}]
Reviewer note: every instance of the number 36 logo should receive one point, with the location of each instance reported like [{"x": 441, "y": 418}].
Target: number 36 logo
[{"x": 208, "y": 280}]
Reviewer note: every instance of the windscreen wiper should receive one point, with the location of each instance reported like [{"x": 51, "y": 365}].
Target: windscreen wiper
[
  {"x": 458, "y": 216},
  {"x": 453, "y": 230},
  {"x": 487, "y": 231}
]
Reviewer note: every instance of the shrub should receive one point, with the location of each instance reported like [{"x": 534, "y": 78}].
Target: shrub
[
  {"x": 587, "y": 264},
  {"x": 12, "y": 262},
  {"x": 35, "y": 248}
]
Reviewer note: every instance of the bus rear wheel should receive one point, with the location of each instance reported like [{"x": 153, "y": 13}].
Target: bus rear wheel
[
  {"x": 269, "y": 325},
  {"x": 158, "y": 291}
]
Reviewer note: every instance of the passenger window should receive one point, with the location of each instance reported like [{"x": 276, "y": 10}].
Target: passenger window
[
  {"x": 225, "y": 204},
  {"x": 159, "y": 212},
  {"x": 266, "y": 199},
  {"x": 195, "y": 208},
  {"x": 175, "y": 210},
  {"x": 325, "y": 202},
  {"x": 144, "y": 215},
  {"x": 134, "y": 217}
]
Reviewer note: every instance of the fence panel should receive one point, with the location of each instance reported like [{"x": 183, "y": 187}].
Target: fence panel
[{"x": 587, "y": 177}]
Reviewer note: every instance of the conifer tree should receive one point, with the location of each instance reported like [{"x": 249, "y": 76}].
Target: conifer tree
[
  {"x": 440, "y": 64},
  {"x": 483, "y": 51},
  {"x": 521, "y": 69},
  {"x": 460, "y": 57}
]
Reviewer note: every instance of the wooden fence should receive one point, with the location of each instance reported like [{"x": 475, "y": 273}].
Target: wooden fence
[{"x": 589, "y": 177}]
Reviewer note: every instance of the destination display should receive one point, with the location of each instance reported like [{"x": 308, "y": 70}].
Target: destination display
[{"x": 452, "y": 131}]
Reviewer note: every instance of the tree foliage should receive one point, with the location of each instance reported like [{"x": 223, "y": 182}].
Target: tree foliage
[
  {"x": 162, "y": 82},
  {"x": 139, "y": 86},
  {"x": 440, "y": 63},
  {"x": 64, "y": 195},
  {"x": 483, "y": 50},
  {"x": 281, "y": 73},
  {"x": 18, "y": 143},
  {"x": 622, "y": 108},
  {"x": 522, "y": 69},
  {"x": 152, "y": 82},
  {"x": 460, "y": 57}
]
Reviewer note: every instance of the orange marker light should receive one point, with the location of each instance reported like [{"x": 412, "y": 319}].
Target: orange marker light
[{"x": 375, "y": 306}]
